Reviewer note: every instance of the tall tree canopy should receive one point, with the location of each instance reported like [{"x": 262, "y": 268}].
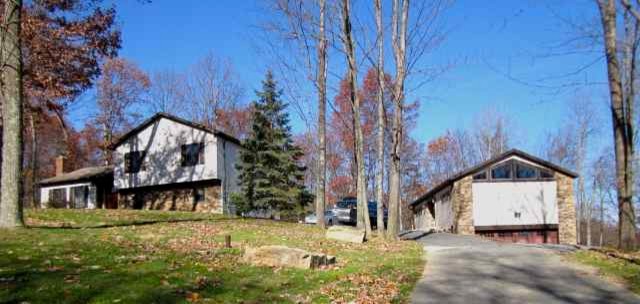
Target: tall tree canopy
[{"x": 271, "y": 177}]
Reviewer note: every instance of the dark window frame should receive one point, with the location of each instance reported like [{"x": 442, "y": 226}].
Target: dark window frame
[
  {"x": 484, "y": 173},
  {"x": 551, "y": 175},
  {"x": 134, "y": 161},
  {"x": 536, "y": 171},
  {"x": 189, "y": 160},
  {"x": 507, "y": 164},
  {"x": 513, "y": 164}
]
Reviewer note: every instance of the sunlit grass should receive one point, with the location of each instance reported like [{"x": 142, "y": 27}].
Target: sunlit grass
[
  {"x": 171, "y": 262},
  {"x": 624, "y": 271}
]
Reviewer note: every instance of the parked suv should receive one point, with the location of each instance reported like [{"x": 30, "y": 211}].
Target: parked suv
[
  {"x": 343, "y": 210},
  {"x": 346, "y": 211}
]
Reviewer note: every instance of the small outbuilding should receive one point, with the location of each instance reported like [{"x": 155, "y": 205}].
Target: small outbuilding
[
  {"x": 514, "y": 197},
  {"x": 86, "y": 188}
]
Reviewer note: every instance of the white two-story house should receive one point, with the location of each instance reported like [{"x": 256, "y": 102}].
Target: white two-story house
[{"x": 168, "y": 163}]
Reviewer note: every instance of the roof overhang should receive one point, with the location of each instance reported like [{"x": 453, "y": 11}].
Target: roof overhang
[{"x": 173, "y": 118}]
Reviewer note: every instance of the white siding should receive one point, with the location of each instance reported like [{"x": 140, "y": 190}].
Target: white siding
[
  {"x": 163, "y": 140},
  {"x": 495, "y": 203}
]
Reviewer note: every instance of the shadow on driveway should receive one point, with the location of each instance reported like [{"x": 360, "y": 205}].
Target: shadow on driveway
[{"x": 466, "y": 269}]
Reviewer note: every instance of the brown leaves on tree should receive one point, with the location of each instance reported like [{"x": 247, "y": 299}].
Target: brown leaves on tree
[{"x": 63, "y": 42}]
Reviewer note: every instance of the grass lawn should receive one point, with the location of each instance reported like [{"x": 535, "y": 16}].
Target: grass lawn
[
  {"x": 169, "y": 262},
  {"x": 617, "y": 269}
]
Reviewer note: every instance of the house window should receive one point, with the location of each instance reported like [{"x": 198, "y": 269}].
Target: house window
[
  {"x": 79, "y": 197},
  {"x": 517, "y": 215},
  {"x": 198, "y": 195},
  {"x": 546, "y": 174},
  {"x": 192, "y": 154},
  {"x": 501, "y": 172},
  {"x": 58, "y": 198},
  {"x": 134, "y": 162},
  {"x": 480, "y": 176},
  {"x": 525, "y": 172}
]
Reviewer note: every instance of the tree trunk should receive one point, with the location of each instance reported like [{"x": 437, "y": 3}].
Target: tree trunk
[
  {"x": 621, "y": 127},
  {"x": 322, "y": 99},
  {"x": 581, "y": 191},
  {"x": 361, "y": 183},
  {"x": 34, "y": 160},
  {"x": 11, "y": 205},
  {"x": 588, "y": 215},
  {"x": 601, "y": 222},
  {"x": 399, "y": 34},
  {"x": 381, "y": 118}
]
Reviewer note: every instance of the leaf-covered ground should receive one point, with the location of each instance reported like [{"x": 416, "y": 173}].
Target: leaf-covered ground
[
  {"x": 169, "y": 262},
  {"x": 619, "y": 270}
]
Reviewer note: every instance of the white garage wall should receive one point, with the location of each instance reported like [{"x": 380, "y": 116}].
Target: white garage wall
[{"x": 496, "y": 203}]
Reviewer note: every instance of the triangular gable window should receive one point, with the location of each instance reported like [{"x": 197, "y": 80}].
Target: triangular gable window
[
  {"x": 501, "y": 172},
  {"x": 524, "y": 171}
]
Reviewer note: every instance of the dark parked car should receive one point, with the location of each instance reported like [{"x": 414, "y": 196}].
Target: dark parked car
[{"x": 346, "y": 211}]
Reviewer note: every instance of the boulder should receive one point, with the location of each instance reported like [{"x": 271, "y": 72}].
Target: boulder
[
  {"x": 345, "y": 234},
  {"x": 283, "y": 256}
]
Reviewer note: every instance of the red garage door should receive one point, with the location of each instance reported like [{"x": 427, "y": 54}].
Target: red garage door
[{"x": 533, "y": 236}]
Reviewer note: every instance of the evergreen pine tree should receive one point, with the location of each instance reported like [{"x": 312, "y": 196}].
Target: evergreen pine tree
[{"x": 270, "y": 174}]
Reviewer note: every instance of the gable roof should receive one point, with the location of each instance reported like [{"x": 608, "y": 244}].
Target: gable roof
[
  {"x": 499, "y": 158},
  {"x": 83, "y": 174},
  {"x": 174, "y": 118}
]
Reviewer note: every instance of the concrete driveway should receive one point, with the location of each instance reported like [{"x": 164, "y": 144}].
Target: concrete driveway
[{"x": 466, "y": 269}]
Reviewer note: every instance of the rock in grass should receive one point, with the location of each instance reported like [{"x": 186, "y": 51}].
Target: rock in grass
[
  {"x": 283, "y": 256},
  {"x": 345, "y": 234}
]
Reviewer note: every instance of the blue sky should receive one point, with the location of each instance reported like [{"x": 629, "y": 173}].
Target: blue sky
[{"x": 485, "y": 41}]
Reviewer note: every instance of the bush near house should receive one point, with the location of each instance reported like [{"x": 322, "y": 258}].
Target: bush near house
[{"x": 186, "y": 262}]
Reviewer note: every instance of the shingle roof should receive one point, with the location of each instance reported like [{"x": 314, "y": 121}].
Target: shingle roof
[
  {"x": 160, "y": 115},
  {"x": 79, "y": 175},
  {"x": 478, "y": 167}
]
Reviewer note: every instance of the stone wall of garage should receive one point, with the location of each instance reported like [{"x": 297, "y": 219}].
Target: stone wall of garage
[
  {"x": 567, "y": 232},
  {"x": 462, "y": 204}
]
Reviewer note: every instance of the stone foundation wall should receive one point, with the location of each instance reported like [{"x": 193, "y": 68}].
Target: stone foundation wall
[
  {"x": 178, "y": 198},
  {"x": 566, "y": 210},
  {"x": 462, "y": 204}
]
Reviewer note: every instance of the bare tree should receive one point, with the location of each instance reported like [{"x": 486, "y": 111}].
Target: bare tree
[
  {"x": 583, "y": 115},
  {"x": 492, "y": 134},
  {"x": 411, "y": 39},
  {"x": 211, "y": 87},
  {"x": 120, "y": 88},
  {"x": 621, "y": 75},
  {"x": 299, "y": 40},
  {"x": 603, "y": 185},
  {"x": 167, "y": 92},
  {"x": 321, "y": 75},
  {"x": 381, "y": 116},
  {"x": 400, "y": 16},
  {"x": 12, "y": 105},
  {"x": 352, "y": 72}
]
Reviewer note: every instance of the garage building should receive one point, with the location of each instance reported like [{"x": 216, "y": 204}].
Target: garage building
[{"x": 514, "y": 197}]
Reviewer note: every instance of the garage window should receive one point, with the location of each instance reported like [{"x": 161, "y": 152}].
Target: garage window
[
  {"x": 480, "y": 176},
  {"x": 501, "y": 172},
  {"x": 525, "y": 172}
]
